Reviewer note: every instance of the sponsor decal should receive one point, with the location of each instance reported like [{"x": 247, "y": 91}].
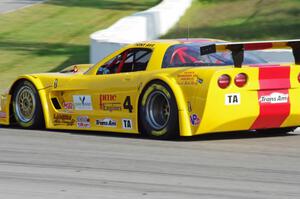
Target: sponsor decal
[
  {"x": 3, "y": 115},
  {"x": 83, "y": 122},
  {"x": 111, "y": 107},
  {"x": 63, "y": 119},
  {"x": 106, "y": 122},
  {"x": 195, "y": 120},
  {"x": 108, "y": 103},
  {"x": 82, "y": 102},
  {"x": 188, "y": 78},
  {"x": 68, "y": 105},
  {"x": 274, "y": 98},
  {"x": 126, "y": 123},
  {"x": 108, "y": 97},
  {"x": 149, "y": 45},
  {"x": 232, "y": 99}
]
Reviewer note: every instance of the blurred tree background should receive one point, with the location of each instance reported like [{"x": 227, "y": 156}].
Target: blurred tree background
[{"x": 55, "y": 34}]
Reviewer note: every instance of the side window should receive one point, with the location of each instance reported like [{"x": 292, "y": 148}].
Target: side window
[
  {"x": 111, "y": 66},
  {"x": 134, "y": 59},
  {"x": 128, "y": 61},
  {"x": 142, "y": 58}
]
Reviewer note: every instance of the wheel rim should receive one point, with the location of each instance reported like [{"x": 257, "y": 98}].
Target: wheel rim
[
  {"x": 25, "y": 104},
  {"x": 157, "y": 110}
]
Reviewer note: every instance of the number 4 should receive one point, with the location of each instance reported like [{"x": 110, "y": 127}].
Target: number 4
[{"x": 127, "y": 104}]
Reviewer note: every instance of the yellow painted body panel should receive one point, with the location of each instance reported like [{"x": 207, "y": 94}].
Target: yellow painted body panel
[
  {"x": 195, "y": 88},
  {"x": 4, "y": 109},
  {"x": 217, "y": 116}
]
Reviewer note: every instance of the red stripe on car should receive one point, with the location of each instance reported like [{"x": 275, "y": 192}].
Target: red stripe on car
[
  {"x": 258, "y": 46},
  {"x": 274, "y": 78},
  {"x": 273, "y": 97}
]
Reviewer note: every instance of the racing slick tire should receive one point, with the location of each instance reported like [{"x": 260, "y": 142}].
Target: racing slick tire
[
  {"x": 26, "y": 106},
  {"x": 158, "y": 112}
]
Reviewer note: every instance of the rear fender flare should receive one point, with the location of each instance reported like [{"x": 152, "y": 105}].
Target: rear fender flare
[{"x": 184, "y": 122}]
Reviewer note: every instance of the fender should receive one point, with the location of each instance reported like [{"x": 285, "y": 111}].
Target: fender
[
  {"x": 41, "y": 88},
  {"x": 184, "y": 122}
]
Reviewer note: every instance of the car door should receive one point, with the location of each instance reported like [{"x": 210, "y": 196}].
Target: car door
[{"x": 108, "y": 99}]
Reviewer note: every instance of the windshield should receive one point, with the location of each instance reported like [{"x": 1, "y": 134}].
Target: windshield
[{"x": 181, "y": 55}]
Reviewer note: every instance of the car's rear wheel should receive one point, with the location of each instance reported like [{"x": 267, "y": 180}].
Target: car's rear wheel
[
  {"x": 158, "y": 111},
  {"x": 26, "y": 104}
]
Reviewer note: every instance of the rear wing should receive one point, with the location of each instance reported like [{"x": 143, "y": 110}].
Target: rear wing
[{"x": 237, "y": 48}]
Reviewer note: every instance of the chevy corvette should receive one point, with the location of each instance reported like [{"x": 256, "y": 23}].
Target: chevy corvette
[{"x": 163, "y": 89}]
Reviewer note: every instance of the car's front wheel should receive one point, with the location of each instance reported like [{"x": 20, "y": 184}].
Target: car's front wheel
[
  {"x": 26, "y": 105},
  {"x": 158, "y": 111}
]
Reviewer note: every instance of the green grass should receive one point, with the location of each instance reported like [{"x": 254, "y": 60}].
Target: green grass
[
  {"x": 240, "y": 20},
  {"x": 53, "y": 35}
]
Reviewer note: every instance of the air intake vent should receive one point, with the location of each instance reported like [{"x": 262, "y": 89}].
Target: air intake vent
[{"x": 55, "y": 103}]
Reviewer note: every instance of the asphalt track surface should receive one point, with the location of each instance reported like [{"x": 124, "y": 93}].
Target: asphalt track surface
[
  {"x": 62, "y": 164},
  {"x": 12, "y": 5}
]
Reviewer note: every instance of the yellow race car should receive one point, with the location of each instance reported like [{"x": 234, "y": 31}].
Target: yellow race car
[{"x": 163, "y": 89}]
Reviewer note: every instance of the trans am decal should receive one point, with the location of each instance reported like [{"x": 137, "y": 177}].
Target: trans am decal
[
  {"x": 126, "y": 123},
  {"x": 274, "y": 98},
  {"x": 106, "y": 122},
  {"x": 232, "y": 99}
]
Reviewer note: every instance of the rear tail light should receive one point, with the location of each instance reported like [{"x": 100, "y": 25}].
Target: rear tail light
[
  {"x": 241, "y": 79},
  {"x": 224, "y": 81},
  {"x": 299, "y": 77}
]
